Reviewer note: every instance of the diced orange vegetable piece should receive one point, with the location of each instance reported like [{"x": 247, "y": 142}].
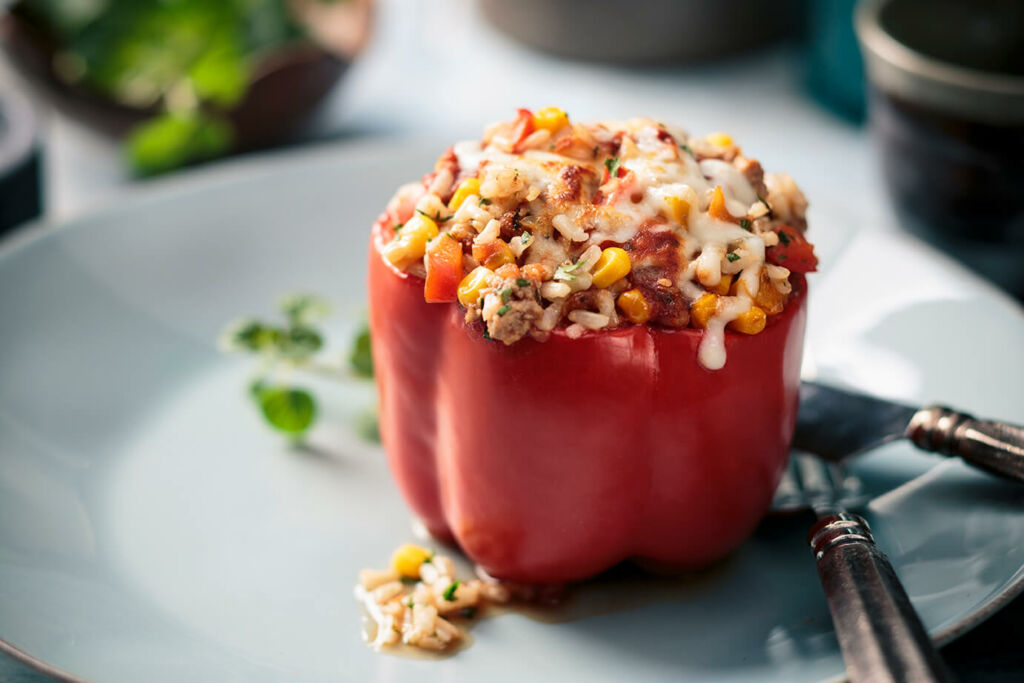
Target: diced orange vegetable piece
[
  {"x": 767, "y": 298},
  {"x": 493, "y": 254},
  {"x": 444, "y": 269},
  {"x": 717, "y": 207}
]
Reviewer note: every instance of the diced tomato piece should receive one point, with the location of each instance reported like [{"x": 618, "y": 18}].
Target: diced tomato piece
[
  {"x": 793, "y": 251},
  {"x": 522, "y": 128},
  {"x": 614, "y": 189},
  {"x": 444, "y": 269}
]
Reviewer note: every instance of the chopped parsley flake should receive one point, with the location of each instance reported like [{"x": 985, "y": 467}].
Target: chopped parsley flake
[
  {"x": 525, "y": 238},
  {"x": 522, "y": 282},
  {"x": 504, "y": 309},
  {"x": 745, "y": 223},
  {"x": 686, "y": 148},
  {"x": 612, "y": 164},
  {"x": 595, "y": 151},
  {"x": 484, "y": 202},
  {"x": 765, "y": 202},
  {"x": 783, "y": 237},
  {"x": 505, "y": 295},
  {"x": 410, "y": 603},
  {"x": 436, "y": 217},
  {"x": 449, "y": 592},
  {"x": 567, "y": 272},
  {"x": 733, "y": 257},
  {"x": 397, "y": 226}
]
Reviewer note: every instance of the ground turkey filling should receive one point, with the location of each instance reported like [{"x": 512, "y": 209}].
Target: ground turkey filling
[{"x": 549, "y": 224}]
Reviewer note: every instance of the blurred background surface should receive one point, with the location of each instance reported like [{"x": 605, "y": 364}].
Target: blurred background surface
[{"x": 101, "y": 97}]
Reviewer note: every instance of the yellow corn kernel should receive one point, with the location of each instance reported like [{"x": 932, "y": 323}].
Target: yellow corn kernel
[
  {"x": 634, "y": 306},
  {"x": 466, "y": 188},
  {"x": 750, "y": 322},
  {"x": 471, "y": 286},
  {"x": 550, "y": 118},
  {"x": 411, "y": 242},
  {"x": 493, "y": 254},
  {"x": 723, "y": 286},
  {"x": 679, "y": 209},
  {"x": 407, "y": 559},
  {"x": 612, "y": 266},
  {"x": 720, "y": 139},
  {"x": 702, "y": 310}
]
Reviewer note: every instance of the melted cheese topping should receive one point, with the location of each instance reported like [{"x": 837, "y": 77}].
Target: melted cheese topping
[{"x": 584, "y": 187}]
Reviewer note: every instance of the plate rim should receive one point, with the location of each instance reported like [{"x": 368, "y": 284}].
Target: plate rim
[{"x": 250, "y": 167}]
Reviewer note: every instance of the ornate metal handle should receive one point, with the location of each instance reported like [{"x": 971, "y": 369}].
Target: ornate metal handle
[
  {"x": 993, "y": 446},
  {"x": 879, "y": 633}
]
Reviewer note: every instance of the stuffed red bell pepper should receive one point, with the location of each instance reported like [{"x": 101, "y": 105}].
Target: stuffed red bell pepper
[{"x": 587, "y": 340}]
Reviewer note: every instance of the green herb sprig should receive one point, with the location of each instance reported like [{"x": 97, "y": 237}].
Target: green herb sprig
[{"x": 291, "y": 345}]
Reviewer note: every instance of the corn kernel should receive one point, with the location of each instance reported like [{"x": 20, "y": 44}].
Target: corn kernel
[
  {"x": 407, "y": 559},
  {"x": 750, "y": 322},
  {"x": 551, "y": 119},
  {"x": 411, "y": 242},
  {"x": 679, "y": 209},
  {"x": 472, "y": 285},
  {"x": 493, "y": 254},
  {"x": 767, "y": 297},
  {"x": 611, "y": 266},
  {"x": 467, "y": 187},
  {"x": 634, "y": 306},
  {"x": 720, "y": 139},
  {"x": 723, "y": 286},
  {"x": 702, "y": 310}
]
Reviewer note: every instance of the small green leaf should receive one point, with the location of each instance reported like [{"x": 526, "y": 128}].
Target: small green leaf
[
  {"x": 287, "y": 409},
  {"x": 612, "y": 164},
  {"x": 449, "y": 592},
  {"x": 503, "y": 310},
  {"x": 221, "y": 73},
  {"x": 522, "y": 282},
  {"x": 300, "y": 342},
  {"x": 505, "y": 295},
  {"x": 360, "y": 358},
  {"x": 304, "y": 309},
  {"x": 745, "y": 223},
  {"x": 249, "y": 334},
  {"x": 172, "y": 140},
  {"x": 733, "y": 257}
]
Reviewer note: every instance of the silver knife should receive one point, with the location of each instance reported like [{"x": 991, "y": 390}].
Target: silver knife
[{"x": 834, "y": 424}]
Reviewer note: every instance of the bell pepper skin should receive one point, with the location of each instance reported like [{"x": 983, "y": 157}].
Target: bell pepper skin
[{"x": 552, "y": 461}]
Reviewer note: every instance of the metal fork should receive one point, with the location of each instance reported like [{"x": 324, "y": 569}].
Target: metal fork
[{"x": 880, "y": 635}]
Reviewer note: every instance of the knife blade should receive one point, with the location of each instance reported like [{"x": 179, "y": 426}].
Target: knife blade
[{"x": 835, "y": 424}]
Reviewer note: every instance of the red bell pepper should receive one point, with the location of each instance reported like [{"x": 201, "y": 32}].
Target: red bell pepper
[{"x": 552, "y": 461}]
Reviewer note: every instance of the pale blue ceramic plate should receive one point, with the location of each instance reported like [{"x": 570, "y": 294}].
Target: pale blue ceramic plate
[{"x": 152, "y": 529}]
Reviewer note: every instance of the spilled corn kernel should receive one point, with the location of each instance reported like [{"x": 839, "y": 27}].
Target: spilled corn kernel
[
  {"x": 407, "y": 560},
  {"x": 611, "y": 266},
  {"x": 634, "y": 306}
]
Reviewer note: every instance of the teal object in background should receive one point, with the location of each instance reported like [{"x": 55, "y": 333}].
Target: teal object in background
[{"x": 836, "y": 72}]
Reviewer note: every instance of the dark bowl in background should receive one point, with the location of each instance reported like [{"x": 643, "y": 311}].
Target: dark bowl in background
[
  {"x": 946, "y": 105},
  {"x": 19, "y": 161},
  {"x": 286, "y": 87},
  {"x": 645, "y": 30}
]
